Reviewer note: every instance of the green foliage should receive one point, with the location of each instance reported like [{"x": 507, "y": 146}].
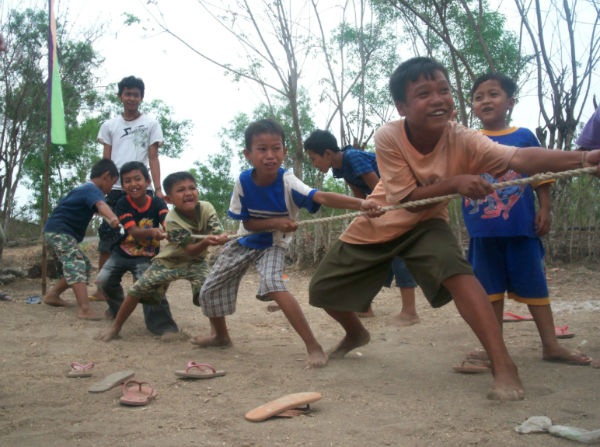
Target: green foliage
[{"x": 214, "y": 180}]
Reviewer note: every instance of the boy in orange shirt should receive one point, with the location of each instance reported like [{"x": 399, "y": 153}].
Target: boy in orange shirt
[{"x": 426, "y": 155}]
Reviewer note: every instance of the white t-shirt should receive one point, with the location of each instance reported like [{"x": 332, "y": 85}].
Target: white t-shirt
[{"x": 130, "y": 140}]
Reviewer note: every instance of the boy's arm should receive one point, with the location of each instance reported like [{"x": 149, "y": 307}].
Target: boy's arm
[
  {"x": 334, "y": 200},
  {"x": 107, "y": 152},
  {"x": 357, "y": 191},
  {"x": 155, "y": 169},
  {"x": 105, "y": 211},
  {"x": 283, "y": 224},
  {"x": 371, "y": 179},
  {"x": 531, "y": 160},
  {"x": 542, "y": 217}
]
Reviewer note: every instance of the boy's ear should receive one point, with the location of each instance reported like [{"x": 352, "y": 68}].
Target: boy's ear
[
  {"x": 284, "y": 151},
  {"x": 247, "y": 154},
  {"x": 511, "y": 103},
  {"x": 168, "y": 199},
  {"x": 400, "y": 107}
]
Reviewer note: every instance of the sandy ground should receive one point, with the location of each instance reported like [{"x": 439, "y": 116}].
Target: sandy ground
[{"x": 398, "y": 390}]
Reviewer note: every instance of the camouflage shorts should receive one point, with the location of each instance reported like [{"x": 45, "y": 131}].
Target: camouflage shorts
[
  {"x": 153, "y": 284},
  {"x": 73, "y": 264}
]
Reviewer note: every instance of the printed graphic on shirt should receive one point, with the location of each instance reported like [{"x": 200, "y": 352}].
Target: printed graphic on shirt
[{"x": 500, "y": 202}]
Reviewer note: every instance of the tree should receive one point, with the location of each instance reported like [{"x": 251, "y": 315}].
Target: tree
[
  {"x": 564, "y": 63},
  {"x": 23, "y": 93}
]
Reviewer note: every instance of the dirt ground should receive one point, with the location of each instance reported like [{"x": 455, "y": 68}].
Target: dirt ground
[{"x": 398, "y": 390}]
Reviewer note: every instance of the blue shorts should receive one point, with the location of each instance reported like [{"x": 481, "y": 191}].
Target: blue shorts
[
  {"x": 403, "y": 277},
  {"x": 510, "y": 264}
]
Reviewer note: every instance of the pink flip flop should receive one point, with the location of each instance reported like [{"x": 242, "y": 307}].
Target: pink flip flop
[
  {"x": 136, "y": 393},
  {"x": 199, "y": 371},
  {"x": 514, "y": 318},
  {"x": 561, "y": 332},
  {"x": 80, "y": 370}
]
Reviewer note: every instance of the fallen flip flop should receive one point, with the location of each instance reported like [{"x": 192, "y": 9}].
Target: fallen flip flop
[
  {"x": 136, "y": 393},
  {"x": 80, "y": 370},
  {"x": 199, "y": 371},
  {"x": 513, "y": 318},
  {"x": 111, "y": 381},
  {"x": 285, "y": 406},
  {"x": 33, "y": 299},
  {"x": 95, "y": 298},
  {"x": 5, "y": 297},
  {"x": 561, "y": 332},
  {"x": 471, "y": 366}
]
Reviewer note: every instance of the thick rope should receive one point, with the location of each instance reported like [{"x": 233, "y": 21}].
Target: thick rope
[{"x": 416, "y": 203}]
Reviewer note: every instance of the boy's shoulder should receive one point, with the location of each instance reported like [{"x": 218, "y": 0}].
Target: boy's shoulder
[{"x": 513, "y": 136}]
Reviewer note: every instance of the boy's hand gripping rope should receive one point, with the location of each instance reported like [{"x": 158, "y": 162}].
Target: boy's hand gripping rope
[{"x": 416, "y": 203}]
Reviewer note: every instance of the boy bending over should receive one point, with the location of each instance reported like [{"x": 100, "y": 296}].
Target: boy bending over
[
  {"x": 505, "y": 250},
  {"x": 66, "y": 227},
  {"x": 142, "y": 216},
  {"x": 265, "y": 197},
  {"x": 183, "y": 257},
  {"x": 421, "y": 156}
]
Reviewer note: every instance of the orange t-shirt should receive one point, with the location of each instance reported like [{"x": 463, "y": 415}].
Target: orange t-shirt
[{"x": 460, "y": 150}]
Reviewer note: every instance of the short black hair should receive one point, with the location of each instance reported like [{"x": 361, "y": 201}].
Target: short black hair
[
  {"x": 130, "y": 82},
  {"x": 262, "y": 126},
  {"x": 507, "y": 84},
  {"x": 102, "y": 166},
  {"x": 321, "y": 140},
  {"x": 410, "y": 70},
  {"x": 176, "y": 177},
  {"x": 134, "y": 166}
]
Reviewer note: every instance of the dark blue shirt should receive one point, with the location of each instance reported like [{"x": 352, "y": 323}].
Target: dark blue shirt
[
  {"x": 355, "y": 163},
  {"x": 73, "y": 213}
]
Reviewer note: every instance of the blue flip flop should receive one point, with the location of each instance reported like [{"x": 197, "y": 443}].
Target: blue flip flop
[{"x": 33, "y": 299}]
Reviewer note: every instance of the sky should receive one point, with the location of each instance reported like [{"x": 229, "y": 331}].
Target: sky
[{"x": 195, "y": 88}]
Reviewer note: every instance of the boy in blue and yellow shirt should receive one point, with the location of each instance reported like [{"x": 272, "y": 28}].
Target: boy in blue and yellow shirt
[{"x": 505, "y": 250}]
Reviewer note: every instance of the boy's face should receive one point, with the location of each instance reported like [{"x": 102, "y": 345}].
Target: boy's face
[
  {"x": 107, "y": 182},
  {"x": 131, "y": 99},
  {"x": 184, "y": 195},
  {"x": 135, "y": 184},
  {"x": 321, "y": 162},
  {"x": 428, "y": 106},
  {"x": 490, "y": 105},
  {"x": 266, "y": 154}
]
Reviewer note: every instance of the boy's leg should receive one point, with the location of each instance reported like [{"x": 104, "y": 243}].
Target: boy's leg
[
  {"x": 408, "y": 314},
  {"x": 125, "y": 311},
  {"x": 158, "y": 318},
  {"x": 83, "y": 302},
  {"x": 219, "y": 335},
  {"x": 109, "y": 282},
  {"x": 356, "y": 334},
  {"x": 552, "y": 350},
  {"x": 52, "y": 297},
  {"x": 474, "y": 306},
  {"x": 294, "y": 314}
]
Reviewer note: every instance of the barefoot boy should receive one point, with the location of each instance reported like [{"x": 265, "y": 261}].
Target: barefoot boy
[
  {"x": 359, "y": 170},
  {"x": 266, "y": 197},
  {"x": 183, "y": 257},
  {"x": 66, "y": 227},
  {"x": 142, "y": 216},
  {"x": 505, "y": 250},
  {"x": 426, "y": 155}
]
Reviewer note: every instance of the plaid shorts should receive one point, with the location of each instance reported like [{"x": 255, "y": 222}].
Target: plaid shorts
[
  {"x": 219, "y": 293},
  {"x": 154, "y": 282},
  {"x": 73, "y": 264}
]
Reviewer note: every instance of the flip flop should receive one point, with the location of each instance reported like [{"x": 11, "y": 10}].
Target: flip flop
[
  {"x": 204, "y": 371},
  {"x": 80, "y": 370},
  {"x": 285, "y": 406},
  {"x": 111, "y": 381},
  {"x": 561, "y": 332},
  {"x": 514, "y": 318},
  {"x": 95, "y": 298},
  {"x": 470, "y": 366},
  {"x": 137, "y": 394},
  {"x": 5, "y": 297},
  {"x": 33, "y": 299}
]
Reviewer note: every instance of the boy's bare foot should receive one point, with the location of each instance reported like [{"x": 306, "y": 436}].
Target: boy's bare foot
[
  {"x": 367, "y": 314},
  {"x": 350, "y": 342},
  {"x": 89, "y": 315},
  {"x": 54, "y": 300},
  {"x": 316, "y": 358},
  {"x": 479, "y": 354},
  {"x": 108, "y": 334},
  {"x": 596, "y": 363},
  {"x": 273, "y": 307},
  {"x": 403, "y": 320},
  {"x": 560, "y": 354},
  {"x": 210, "y": 341},
  {"x": 506, "y": 386}
]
